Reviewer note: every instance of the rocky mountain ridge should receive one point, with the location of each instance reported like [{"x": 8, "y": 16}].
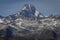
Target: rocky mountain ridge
[{"x": 31, "y": 23}]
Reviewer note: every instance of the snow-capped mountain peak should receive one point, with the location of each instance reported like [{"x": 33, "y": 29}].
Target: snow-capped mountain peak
[
  {"x": 30, "y": 11},
  {"x": 30, "y": 27}
]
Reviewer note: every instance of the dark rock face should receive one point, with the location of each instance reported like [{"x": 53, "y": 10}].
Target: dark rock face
[
  {"x": 57, "y": 17},
  {"x": 9, "y": 32},
  {"x": 1, "y": 17},
  {"x": 48, "y": 35},
  {"x": 45, "y": 35},
  {"x": 13, "y": 17},
  {"x": 30, "y": 8},
  {"x": 29, "y": 11}
]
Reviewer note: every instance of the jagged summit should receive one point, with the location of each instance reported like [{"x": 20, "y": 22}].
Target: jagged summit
[
  {"x": 28, "y": 11},
  {"x": 29, "y": 7}
]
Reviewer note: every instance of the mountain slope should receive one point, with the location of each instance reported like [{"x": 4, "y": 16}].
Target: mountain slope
[{"x": 22, "y": 24}]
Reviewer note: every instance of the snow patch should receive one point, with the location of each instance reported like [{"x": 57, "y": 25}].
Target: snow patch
[
  {"x": 36, "y": 13},
  {"x": 19, "y": 24},
  {"x": 1, "y": 21},
  {"x": 40, "y": 16},
  {"x": 24, "y": 8}
]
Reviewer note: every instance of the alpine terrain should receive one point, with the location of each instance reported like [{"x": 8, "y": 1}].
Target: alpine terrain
[{"x": 30, "y": 24}]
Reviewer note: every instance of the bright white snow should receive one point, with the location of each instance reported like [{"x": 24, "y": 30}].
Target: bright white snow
[
  {"x": 24, "y": 8},
  {"x": 36, "y": 13},
  {"x": 1, "y": 21}
]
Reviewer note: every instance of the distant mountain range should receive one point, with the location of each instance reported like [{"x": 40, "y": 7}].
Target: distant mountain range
[
  {"x": 28, "y": 11},
  {"x": 29, "y": 22}
]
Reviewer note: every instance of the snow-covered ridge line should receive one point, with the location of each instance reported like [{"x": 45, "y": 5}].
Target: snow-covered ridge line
[{"x": 30, "y": 21}]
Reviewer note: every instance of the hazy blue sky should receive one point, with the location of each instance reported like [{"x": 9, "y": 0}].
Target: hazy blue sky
[{"x": 46, "y": 7}]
